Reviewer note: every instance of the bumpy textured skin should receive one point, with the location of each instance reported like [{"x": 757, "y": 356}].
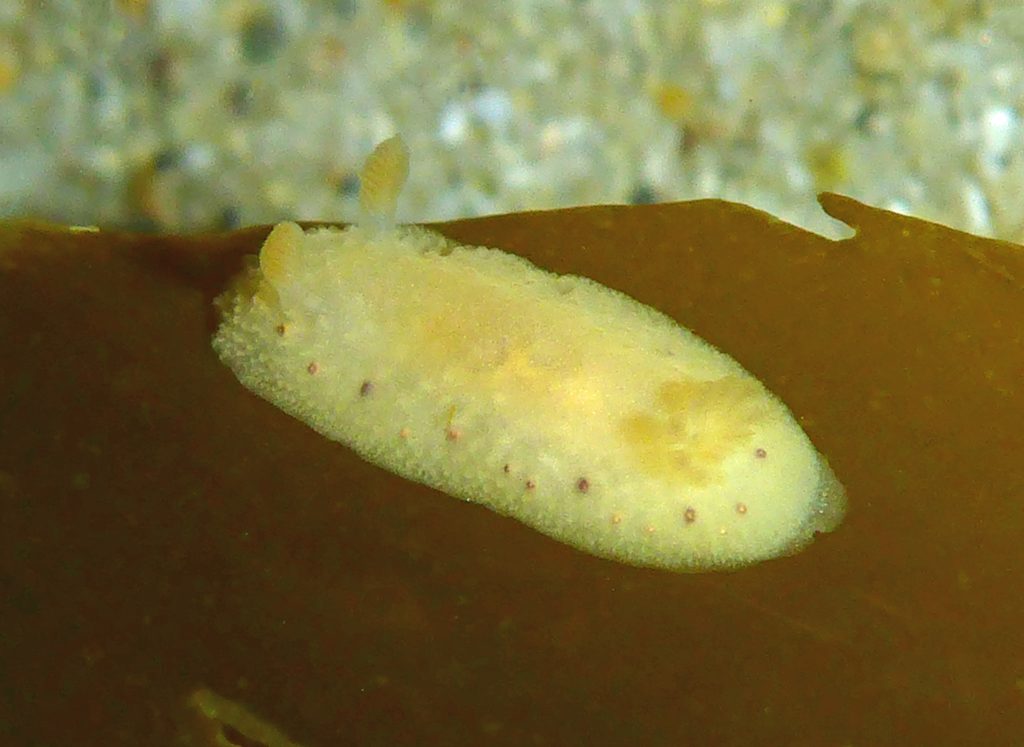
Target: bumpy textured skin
[{"x": 552, "y": 399}]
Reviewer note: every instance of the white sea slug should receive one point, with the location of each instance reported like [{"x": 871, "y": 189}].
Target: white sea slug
[{"x": 548, "y": 398}]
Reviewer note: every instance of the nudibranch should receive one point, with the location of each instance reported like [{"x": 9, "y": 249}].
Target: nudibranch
[{"x": 551, "y": 399}]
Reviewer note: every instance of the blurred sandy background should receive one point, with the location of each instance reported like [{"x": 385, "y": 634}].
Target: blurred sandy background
[{"x": 207, "y": 114}]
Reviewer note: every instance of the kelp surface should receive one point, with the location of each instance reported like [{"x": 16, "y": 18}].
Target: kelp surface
[{"x": 181, "y": 562}]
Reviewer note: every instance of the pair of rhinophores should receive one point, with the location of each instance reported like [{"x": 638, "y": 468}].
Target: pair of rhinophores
[{"x": 549, "y": 398}]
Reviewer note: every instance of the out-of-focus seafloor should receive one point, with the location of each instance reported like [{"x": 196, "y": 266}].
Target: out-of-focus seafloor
[
  {"x": 189, "y": 115},
  {"x": 183, "y": 564}
]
